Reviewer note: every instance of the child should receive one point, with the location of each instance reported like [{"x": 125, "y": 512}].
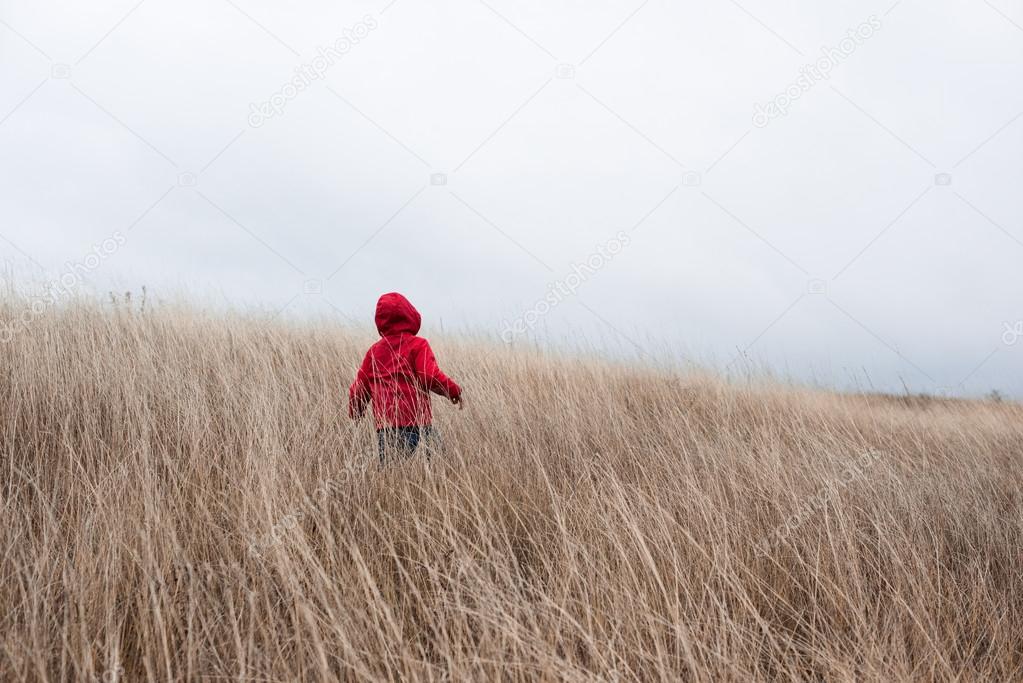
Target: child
[{"x": 397, "y": 375}]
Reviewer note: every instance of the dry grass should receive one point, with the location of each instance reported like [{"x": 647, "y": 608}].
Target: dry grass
[{"x": 183, "y": 499}]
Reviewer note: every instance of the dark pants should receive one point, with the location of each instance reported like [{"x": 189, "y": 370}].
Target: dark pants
[{"x": 400, "y": 441}]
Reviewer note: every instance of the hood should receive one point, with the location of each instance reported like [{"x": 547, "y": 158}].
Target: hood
[{"x": 395, "y": 315}]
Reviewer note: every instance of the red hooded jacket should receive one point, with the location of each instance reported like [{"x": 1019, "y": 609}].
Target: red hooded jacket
[{"x": 399, "y": 371}]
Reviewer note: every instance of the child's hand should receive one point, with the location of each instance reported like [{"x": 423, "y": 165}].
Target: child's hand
[{"x": 460, "y": 402}]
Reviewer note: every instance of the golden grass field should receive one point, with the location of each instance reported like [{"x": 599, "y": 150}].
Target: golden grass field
[{"x": 184, "y": 498}]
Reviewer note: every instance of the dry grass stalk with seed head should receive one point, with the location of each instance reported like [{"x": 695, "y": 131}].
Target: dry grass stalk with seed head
[{"x": 183, "y": 498}]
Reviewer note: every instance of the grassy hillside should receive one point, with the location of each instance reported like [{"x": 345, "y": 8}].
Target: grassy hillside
[{"x": 184, "y": 498}]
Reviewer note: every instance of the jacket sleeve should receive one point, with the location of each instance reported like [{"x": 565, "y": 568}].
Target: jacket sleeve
[
  {"x": 359, "y": 394},
  {"x": 431, "y": 376}
]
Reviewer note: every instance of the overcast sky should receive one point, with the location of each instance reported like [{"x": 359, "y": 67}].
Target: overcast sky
[{"x": 748, "y": 182}]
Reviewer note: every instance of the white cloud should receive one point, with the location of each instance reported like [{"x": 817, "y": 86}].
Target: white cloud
[{"x": 542, "y": 162}]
